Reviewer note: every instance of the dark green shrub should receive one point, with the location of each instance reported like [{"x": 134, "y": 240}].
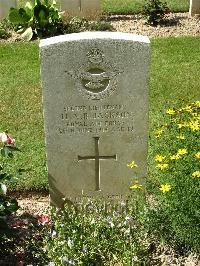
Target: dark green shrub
[
  {"x": 7, "y": 204},
  {"x": 154, "y": 11},
  {"x": 5, "y": 29}
]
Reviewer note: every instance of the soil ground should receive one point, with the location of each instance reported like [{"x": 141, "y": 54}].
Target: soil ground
[{"x": 175, "y": 25}]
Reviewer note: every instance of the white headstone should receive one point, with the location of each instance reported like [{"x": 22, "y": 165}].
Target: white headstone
[
  {"x": 194, "y": 7},
  {"x": 5, "y": 6},
  {"x": 95, "y": 96},
  {"x": 83, "y": 8}
]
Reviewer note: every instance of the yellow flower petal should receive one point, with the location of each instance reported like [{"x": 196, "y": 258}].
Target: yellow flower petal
[
  {"x": 162, "y": 166},
  {"x": 180, "y": 137},
  {"x": 170, "y": 112},
  {"x": 132, "y": 164},
  {"x": 196, "y": 174},
  {"x": 159, "y": 158},
  {"x": 197, "y": 155},
  {"x": 182, "y": 152},
  {"x": 136, "y": 186},
  {"x": 175, "y": 157},
  {"x": 194, "y": 125},
  {"x": 165, "y": 188}
]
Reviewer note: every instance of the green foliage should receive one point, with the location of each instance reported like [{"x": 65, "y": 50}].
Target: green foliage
[
  {"x": 175, "y": 177},
  {"x": 41, "y": 19},
  {"x": 24, "y": 243},
  {"x": 75, "y": 24},
  {"x": 97, "y": 233},
  {"x": 7, "y": 205},
  {"x": 154, "y": 11},
  {"x": 5, "y": 28},
  {"x": 135, "y": 6}
]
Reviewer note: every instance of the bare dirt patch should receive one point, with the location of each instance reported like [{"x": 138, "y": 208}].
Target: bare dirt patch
[{"x": 175, "y": 25}]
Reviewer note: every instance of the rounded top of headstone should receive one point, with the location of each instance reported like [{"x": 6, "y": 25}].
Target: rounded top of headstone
[{"x": 94, "y": 35}]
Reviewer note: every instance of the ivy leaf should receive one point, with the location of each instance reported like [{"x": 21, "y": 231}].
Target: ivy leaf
[
  {"x": 3, "y": 154},
  {"x": 3, "y": 176},
  {"x": 12, "y": 205},
  {"x": 6, "y": 152},
  {"x": 18, "y": 17}
]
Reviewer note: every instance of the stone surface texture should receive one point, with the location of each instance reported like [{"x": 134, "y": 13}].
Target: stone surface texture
[
  {"x": 82, "y": 8},
  {"x": 194, "y": 7},
  {"x": 5, "y": 6},
  {"x": 95, "y": 96}
]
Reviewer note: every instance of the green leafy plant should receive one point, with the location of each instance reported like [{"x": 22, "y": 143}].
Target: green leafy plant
[
  {"x": 7, "y": 204},
  {"x": 175, "y": 178},
  {"x": 93, "y": 232},
  {"x": 24, "y": 245},
  {"x": 154, "y": 11},
  {"x": 41, "y": 19},
  {"x": 5, "y": 28}
]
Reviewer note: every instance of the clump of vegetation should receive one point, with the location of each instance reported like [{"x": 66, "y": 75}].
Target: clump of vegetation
[
  {"x": 8, "y": 205},
  {"x": 41, "y": 19},
  {"x": 175, "y": 178},
  {"x": 5, "y": 29},
  {"x": 75, "y": 24},
  {"x": 97, "y": 233},
  {"x": 154, "y": 11},
  {"x": 24, "y": 244}
]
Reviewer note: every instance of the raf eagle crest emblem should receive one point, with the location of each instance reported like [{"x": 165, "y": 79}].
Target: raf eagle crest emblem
[{"x": 96, "y": 79}]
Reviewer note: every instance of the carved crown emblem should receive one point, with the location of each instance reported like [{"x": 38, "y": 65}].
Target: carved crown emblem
[{"x": 95, "y": 56}]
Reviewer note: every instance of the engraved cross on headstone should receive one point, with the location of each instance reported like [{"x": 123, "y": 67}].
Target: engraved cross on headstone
[
  {"x": 80, "y": 5},
  {"x": 97, "y": 159}
]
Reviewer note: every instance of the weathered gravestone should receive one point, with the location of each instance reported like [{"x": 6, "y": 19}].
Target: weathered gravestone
[
  {"x": 95, "y": 96},
  {"x": 5, "y": 6},
  {"x": 194, "y": 7},
  {"x": 83, "y": 8}
]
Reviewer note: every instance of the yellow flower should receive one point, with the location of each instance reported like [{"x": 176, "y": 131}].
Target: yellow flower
[
  {"x": 132, "y": 164},
  {"x": 195, "y": 115},
  {"x": 181, "y": 125},
  {"x": 170, "y": 112},
  {"x": 175, "y": 157},
  {"x": 174, "y": 120},
  {"x": 197, "y": 103},
  {"x": 162, "y": 166},
  {"x": 196, "y": 174},
  {"x": 180, "y": 137},
  {"x": 136, "y": 186},
  {"x": 182, "y": 152},
  {"x": 197, "y": 155},
  {"x": 165, "y": 188},
  {"x": 188, "y": 108},
  {"x": 159, "y": 132},
  {"x": 194, "y": 125},
  {"x": 159, "y": 158}
]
